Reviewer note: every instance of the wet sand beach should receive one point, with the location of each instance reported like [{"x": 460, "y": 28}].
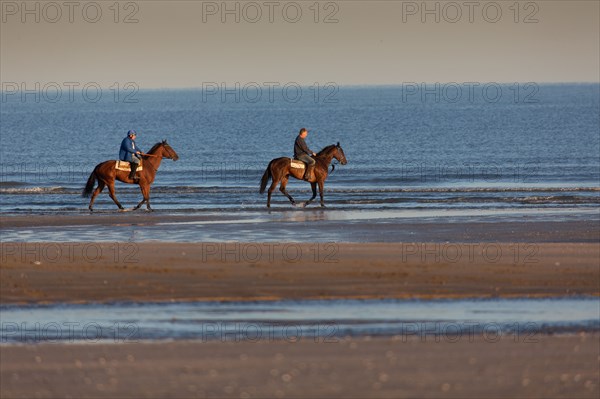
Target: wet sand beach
[
  {"x": 548, "y": 366},
  {"x": 536, "y": 257},
  {"x": 108, "y": 272}
]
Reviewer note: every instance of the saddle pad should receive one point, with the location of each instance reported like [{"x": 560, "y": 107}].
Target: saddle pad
[
  {"x": 124, "y": 165},
  {"x": 297, "y": 164}
]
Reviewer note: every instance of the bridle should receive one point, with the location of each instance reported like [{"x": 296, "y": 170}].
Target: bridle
[
  {"x": 165, "y": 145},
  {"x": 335, "y": 161}
]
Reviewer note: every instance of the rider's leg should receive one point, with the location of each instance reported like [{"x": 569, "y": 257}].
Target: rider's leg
[
  {"x": 310, "y": 164},
  {"x": 133, "y": 165}
]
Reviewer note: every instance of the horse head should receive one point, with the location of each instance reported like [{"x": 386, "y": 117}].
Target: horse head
[
  {"x": 168, "y": 151},
  {"x": 339, "y": 154}
]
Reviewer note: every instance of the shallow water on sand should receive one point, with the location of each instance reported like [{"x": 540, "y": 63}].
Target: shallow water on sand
[
  {"x": 291, "y": 320},
  {"x": 308, "y": 225}
]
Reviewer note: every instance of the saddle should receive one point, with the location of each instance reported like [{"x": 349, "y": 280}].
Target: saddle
[
  {"x": 297, "y": 164},
  {"x": 124, "y": 165}
]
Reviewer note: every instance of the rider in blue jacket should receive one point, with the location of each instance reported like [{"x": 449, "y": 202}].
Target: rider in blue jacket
[{"x": 130, "y": 152}]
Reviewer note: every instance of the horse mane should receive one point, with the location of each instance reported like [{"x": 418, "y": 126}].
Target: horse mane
[
  {"x": 326, "y": 149},
  {"x": 154, "y": 147}
]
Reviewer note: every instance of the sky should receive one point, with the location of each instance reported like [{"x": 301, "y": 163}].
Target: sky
[{"x": 188, "y": 44}]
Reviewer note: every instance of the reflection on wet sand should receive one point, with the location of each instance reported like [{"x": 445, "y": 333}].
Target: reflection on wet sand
[{"x": 303, "y": 225}]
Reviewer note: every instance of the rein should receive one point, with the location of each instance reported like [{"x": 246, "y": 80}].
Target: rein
[
  {"x": 332, "y": 164},
  {"x": 150, "y": 165},
  {"x": 332, "y": 167}
]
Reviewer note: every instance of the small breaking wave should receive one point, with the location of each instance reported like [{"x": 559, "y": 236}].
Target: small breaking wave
[{"x": 34, "y": 190}]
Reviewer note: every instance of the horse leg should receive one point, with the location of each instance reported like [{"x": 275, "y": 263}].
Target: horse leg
[
  {"x": 97, "y": 191},
  {"x": 144, "y": 199},
  {"x": 282, "y": 186},
  {"x": 140, "y": 204},
  {"x": 321, "y": 184},
  {"x": 271, "y": 189},
  {"x": 146, "y": 194},
  {"x": 111, "y": 192},
  {"x": 314, "y": 191}
]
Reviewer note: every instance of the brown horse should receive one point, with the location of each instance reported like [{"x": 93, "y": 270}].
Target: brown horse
[
  {"x": 106, "y": 174},
  {"x": 280, "y": 170}
]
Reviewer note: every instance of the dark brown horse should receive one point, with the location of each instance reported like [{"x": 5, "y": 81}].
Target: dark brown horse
[
  {"x": 280, "y": 170},
  {"x": 106, "y": 174}
]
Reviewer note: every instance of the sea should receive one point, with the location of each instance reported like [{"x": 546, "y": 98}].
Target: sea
[
  {"x": 414, "y": 151},
  {"x": 474, "y": 148}
]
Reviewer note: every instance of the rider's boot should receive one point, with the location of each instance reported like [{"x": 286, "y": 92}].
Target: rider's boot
[{"x": 133, "y": 167}]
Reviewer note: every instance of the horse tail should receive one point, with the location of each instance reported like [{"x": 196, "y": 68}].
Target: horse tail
[
  {"x": 265, "y": 178},
  {"x": 89, "y": 187}
]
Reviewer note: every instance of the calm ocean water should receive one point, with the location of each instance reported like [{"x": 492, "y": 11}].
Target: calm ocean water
[{"x": 538, "y": 148}]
